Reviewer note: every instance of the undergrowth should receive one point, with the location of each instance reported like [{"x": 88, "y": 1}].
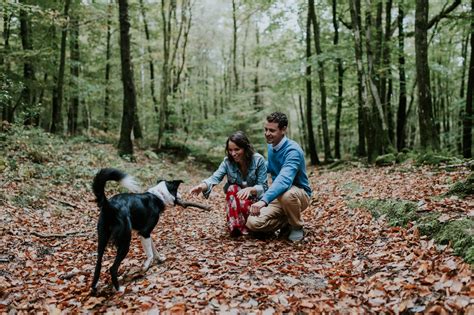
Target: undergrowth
[{"x": 459, "y": 233}]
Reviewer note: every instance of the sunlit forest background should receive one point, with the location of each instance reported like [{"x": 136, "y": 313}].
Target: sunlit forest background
[{"x": 357, "y": 79}]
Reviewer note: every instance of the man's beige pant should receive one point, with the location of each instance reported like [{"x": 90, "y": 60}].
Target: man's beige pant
[{"x": 285, "y": 209}]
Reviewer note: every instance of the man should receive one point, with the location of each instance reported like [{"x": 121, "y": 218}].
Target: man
[{"x": 281, "y": 205}]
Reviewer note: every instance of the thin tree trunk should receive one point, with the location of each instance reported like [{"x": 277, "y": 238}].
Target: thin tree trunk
[
  {"x": 7, "y": 113},
  {"x": 150, "y": 59},
  {"x": 362, "y": 104},
  {"x": 27, "y": 94},
  {"x": 164, "y": 89},
  {"x": 386, "y": 73},
  {"x": 340, "y": 78},
  {"x": 322, "y": 84},
  {"x": 105, "y": 123},
  {"x": 460, "y": 121},
  {"x": 57, "y": 125},
  {"x": 257, "y": 100},
  {"x": 234, "y": 46},
  {"x": 125, "y": 145},
  {"x": 75, "y": 60},
  {"x": 309, "y": 96},
  {"x": 402, "y": 100},
  {"x": 468, "y": 117}
]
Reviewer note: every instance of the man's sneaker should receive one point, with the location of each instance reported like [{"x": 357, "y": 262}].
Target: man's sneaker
[{"x": 296, "y": 234}]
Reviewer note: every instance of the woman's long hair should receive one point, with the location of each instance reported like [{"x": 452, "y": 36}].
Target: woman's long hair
[{"x": 241, "y": 140}]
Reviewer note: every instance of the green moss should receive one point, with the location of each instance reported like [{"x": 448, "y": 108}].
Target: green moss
[
  {"x": 463, "y": 188},
  {"x": 386, "y": 159},
  {"x": 458, "y": 233},
  {"x": 397, "y": 213},
  {"x": 431, "y": 158}
]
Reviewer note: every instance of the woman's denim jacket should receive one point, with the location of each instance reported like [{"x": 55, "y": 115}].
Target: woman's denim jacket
[{"x": 256, "y": 175}]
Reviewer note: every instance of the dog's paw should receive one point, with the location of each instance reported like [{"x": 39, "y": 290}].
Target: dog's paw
[{"x": 160, "y": 259}]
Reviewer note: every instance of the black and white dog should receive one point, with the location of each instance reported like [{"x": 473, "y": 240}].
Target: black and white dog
[{"x": 125, "y": 212}]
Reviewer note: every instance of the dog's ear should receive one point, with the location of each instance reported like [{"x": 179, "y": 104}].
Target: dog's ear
[{"x": 173, "y": 185}]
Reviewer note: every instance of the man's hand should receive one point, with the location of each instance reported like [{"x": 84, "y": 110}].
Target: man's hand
[
  {"x": 255, "y": 208},
  {"x": 245, "y": 193}
]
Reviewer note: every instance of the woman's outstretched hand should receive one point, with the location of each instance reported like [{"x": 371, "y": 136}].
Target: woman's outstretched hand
[{"x": 198, "y": 189}]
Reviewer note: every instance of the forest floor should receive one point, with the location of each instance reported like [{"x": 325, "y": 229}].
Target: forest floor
[{"x": 348, "y": 261}]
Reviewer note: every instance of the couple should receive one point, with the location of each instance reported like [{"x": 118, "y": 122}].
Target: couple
[{"x": 250, "y": 204}]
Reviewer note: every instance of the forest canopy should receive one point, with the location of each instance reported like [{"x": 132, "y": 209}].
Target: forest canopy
[{"x": 356, "y": 78}]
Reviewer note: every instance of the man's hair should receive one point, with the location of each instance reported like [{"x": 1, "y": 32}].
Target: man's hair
[{"x": 280, "y": 118}]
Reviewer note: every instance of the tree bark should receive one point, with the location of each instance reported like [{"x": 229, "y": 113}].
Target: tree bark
[
  {"x": 429, "y": 137},
  {"x": 340, "y": 78},
  {"x": 28, "y": 93},
  {"x": 7, "y": 111},
  {"x": 125, "y": 145},
  {"x": 361, "y": 98},
  {"x": 57, "y": 125},
  {"x": 402, "y": 99},
  {"x": 468, "y": 117},
  {"x": 75, "y": 70},
  {"x": 105, "y": 123},
  {"x": 322, "y": 84},
  {"x": 309, "y": 96},
  {"x": 257, "y": 98},
  {"x": 234, "y": 46},
  {"x": 164, "y": 88}
]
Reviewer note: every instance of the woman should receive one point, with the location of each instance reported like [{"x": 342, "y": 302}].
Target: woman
[{"x": 246, "y": 181}]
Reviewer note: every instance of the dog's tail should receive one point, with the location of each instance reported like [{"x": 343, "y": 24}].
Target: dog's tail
[{"x": 107, "y": 174}]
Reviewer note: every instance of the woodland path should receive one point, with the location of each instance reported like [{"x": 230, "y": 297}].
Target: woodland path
[{"x": 348, "y": 261}]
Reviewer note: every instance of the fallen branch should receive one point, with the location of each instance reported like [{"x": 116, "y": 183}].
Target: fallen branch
[
  {"x": 57, "y": 235},
  {"x": 63, "y": 202},
  {"x": 186, "y": 204}
]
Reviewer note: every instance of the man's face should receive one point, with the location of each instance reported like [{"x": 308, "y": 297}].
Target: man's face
[{"x": 273, "y": 134}]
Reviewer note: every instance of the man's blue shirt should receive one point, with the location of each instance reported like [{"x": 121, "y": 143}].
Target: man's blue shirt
[{"x": 287, "y": 167}]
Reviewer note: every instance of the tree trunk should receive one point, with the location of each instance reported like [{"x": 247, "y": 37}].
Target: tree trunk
[
  {"x": 125, "y": 145},
  {"x": 150, "y": 60},
  {"x": 309, "y": 96},
  {"x": 402, "y": 99},
  {"x": 105, "y": 123},
  {"x": 377, "y": 138},
  {"x": 257, "y": 98},
  {"x": 27, "y": 94},
  {"x": 362, "y": 104},
  {"x": 386, "y": 73},
  {"x": 57, "y": 125},
  {"x": 6, "y": 105},
  {"x": 234, "y": 46},
  {"x": 460, "y": 121},
  {"x": 468, "y": 116},
  {"x": 75, "y": 60},
  {"x": 322, "y": 84},
  {"x": 429, "y": 137},
  {"x": 164, "y": 88},
  {"x": 340, "y": 77}
]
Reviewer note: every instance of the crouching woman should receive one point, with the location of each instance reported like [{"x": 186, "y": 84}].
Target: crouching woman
[{"x": 246, "y": 173}]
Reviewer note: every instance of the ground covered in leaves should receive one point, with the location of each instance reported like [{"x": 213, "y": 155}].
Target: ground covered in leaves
[{"x": 348, "y": 261}]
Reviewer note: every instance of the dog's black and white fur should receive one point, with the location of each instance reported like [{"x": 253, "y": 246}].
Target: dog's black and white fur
[{"x": 124, "y": 212}]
